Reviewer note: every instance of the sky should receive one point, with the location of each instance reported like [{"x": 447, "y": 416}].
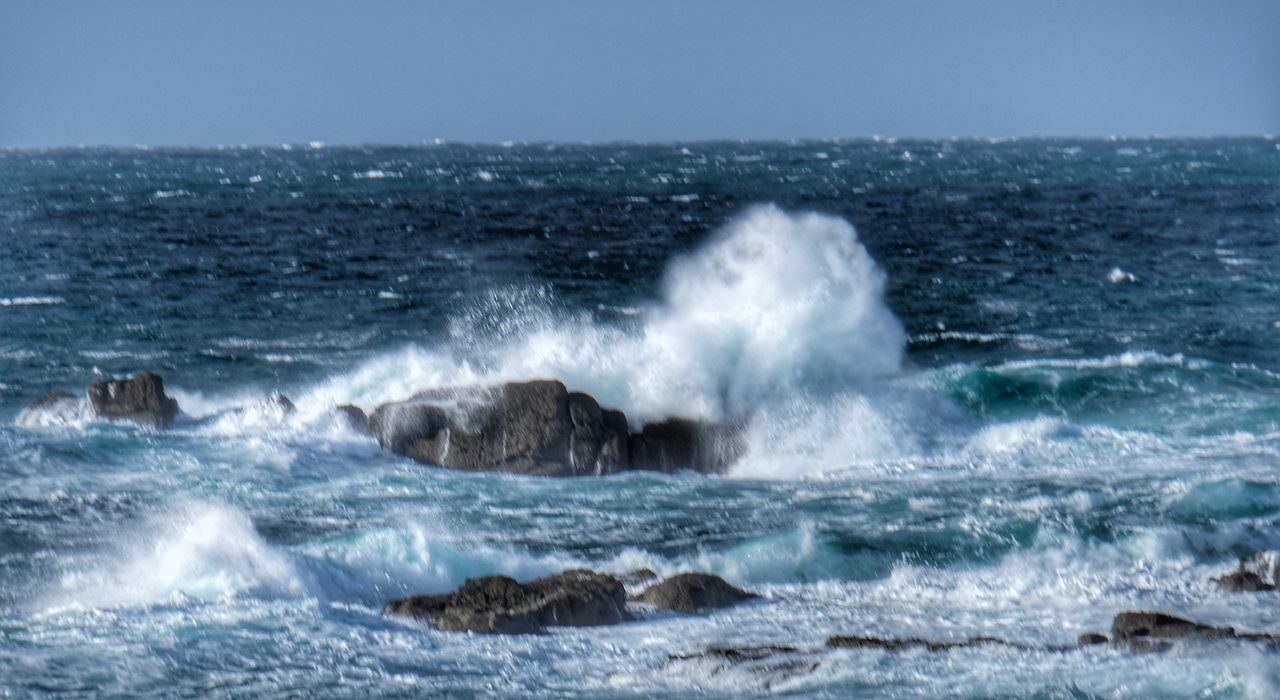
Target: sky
[{"x": 151, "y": 72}]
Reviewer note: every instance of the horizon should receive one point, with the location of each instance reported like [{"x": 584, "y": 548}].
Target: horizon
[{"x": 148, "y": 73}]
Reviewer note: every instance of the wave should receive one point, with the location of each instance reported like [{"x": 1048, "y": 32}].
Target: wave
[{"x": 778, "y": 323}]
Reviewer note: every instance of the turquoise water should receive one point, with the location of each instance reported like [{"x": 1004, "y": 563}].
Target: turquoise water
[{"x": 1002, "y": 389}]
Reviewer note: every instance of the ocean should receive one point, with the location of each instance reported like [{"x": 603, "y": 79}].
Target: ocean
[{"x": 1001, "y": 388}]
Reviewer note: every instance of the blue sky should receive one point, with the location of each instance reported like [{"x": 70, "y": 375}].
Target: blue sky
[{"x": 185, "y": 73}]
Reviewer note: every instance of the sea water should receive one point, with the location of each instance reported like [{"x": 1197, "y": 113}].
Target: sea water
[{"x": 1003, "y": 388}]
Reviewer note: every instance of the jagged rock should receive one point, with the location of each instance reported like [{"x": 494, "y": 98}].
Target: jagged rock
[
  {"x": 694, "y": 592},
  {"x": 140, "y": 399},
  {"x": 501, "y": 605},
  {"x": 675, "y": 444},
  {"x": 536, "y": 427},
  {"x": 354, "y": 417}
]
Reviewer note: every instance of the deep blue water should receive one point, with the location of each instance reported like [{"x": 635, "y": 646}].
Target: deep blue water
[{"x": 993, "y": 388}]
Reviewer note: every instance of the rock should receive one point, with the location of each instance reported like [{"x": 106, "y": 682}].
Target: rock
[
  {"x": 536, "y": 427},
  {"x": 1243, "y": 581},
  {"x": 694, "y": 592},
  {"x": 140, "y": 399},
  {"x": 676, "y": 444},
  {"x": 888, "y": 644},
  {"x": 501, "y": 605},
  {"x": 283, "y": 403},
  {"x": 1092, "y": 638},
  {"x": 1249, "y": 576},
  {"x": 761, "y": 667},
  {"x": 1154, "y": 631},
  {"x": 354, "y": 417}
]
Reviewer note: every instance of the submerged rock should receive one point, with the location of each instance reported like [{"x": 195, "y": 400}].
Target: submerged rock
[
  {"x": 536, "y": 427},
  {"x": 140, "y": 399},
  {"x": 501, "y": 605},
  {"x": 694, "y": 592}
]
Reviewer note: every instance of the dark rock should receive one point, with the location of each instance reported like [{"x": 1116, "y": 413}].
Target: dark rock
[
  {"x": 354, "y": 417},
  {"x": 536, "y": 427},
  {"x": 283, "y": 403},
  {"x": 140, "y": 399},
  {"x": 1243, "y": 582},
  {"x": 1092, "y": 638},
  {"x": 907, "y": 644},
  {"x": 677, "y": 444},
  {"x": 501, "y": 605},
  {"x": 764, "y": 666},
  {"x": 693, "y": 592},
  {"x": 1154, "y": 631}
]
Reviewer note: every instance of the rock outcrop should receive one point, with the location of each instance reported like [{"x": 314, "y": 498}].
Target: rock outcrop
[
  {"x": 693, "y": 593},
  {"x": 541, "y": 428},
  {"x": 140, "y": 399},
  {"x": 501, "y": 605}
]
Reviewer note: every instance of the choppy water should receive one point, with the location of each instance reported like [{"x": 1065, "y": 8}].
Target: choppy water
[{"x": 1037, "y": 385}]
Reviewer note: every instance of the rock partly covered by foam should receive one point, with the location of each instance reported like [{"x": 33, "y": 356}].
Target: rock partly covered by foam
[
  {"x": 694, "y": 592},
  {"x": 501, "y": 605},
  {"x": 140, "y": 399},
  {"x": 1252, "y": 574},
  {"x": 1156, "y": 631},
  {"x": 540, "y": 427}
]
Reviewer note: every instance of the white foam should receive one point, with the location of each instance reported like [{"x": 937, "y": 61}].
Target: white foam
[
  {"x": 31, "y": 301},
  {"x": 204, "y": 551}
]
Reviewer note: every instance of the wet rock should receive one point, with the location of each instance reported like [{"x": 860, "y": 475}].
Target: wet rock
[
  {"x": 677, "y": 444},
  {"x": 1252, "y": 573},
  {"x": 282, "y": 402},
  {"x": 906, "y": 644},
  {"x": 1243, "y": 582},
  {"x": 536, "y": 427},
  {"x": 354, "y": 417},
  {"x": 140, "y": 399},
  {"x": 501, "y": 605},
  {"x": 761, "y": 667},
  {"x": 694, "y": 592},
  {"x": 1154, "y": 631},
  {"x": 1091, "y": 639}
]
